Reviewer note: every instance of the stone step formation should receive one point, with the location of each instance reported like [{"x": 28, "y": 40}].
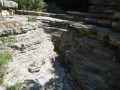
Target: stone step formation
[
  {"x": 8, "y": 4},
  {"x": 91, "y": 49},
  {"x": 34, "y": 62},
  {"x": 104, "y": 6},
  {"x": 90, "y": 42},
  {"x": 89, "y": 52},
  {"x": 87, "y": 56},
  {"x": 4, "y": 6}
]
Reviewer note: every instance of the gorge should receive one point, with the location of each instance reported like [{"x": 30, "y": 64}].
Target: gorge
[{"x": 88, "y": 42}]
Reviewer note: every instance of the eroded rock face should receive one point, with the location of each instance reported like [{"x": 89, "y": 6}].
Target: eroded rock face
[
  {"x": 79, "y": 5},
  {"x": 103, "y": 2},
  {"x": 91, "y": 64},
  {"x": 104, "y": 6},
  {"x": 33, "y": 62}
]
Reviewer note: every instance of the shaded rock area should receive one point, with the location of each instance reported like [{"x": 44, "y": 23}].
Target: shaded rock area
[
  {"x": 91, "y": 64},
  {"x": 52, "y": 7},
  {"x": 76, "y": 5},
  {"x": 90, "y": 43},
  {"x": 104, "y": 6},
  {"x": 34, "y": 62}
]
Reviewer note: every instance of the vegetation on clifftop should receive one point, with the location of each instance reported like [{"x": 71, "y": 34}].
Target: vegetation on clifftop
[{"x": 35, "y": 5}]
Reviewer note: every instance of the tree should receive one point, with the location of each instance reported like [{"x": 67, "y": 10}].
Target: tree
[{"x": 35, "y": 5}]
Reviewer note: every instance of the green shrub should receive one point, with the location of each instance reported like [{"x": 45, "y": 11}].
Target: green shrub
[
  {"x": 3, "y": 39},
  {"x": 5, "y": 57},
  {"x": 22, "y": 47},
  {"x": 35, "y": 5},
  {"x": 9, "y": 39},
  {"x": 1, "y": 78},
  {"x": 32, "y": 19}
]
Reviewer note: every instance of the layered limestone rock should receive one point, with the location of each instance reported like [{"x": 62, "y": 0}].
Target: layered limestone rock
[
  {"x": 103, "y": 2},
  {"x": 5, "y": 4},
  {"x": 104, "y": 6},
  {"x": 33, "y": 62},
  {"x": 91, "y": 53},
  {"x": 1, "y": 17},
  {"x": 91, "y": 64},
  {"x": 8, "y": 4}
]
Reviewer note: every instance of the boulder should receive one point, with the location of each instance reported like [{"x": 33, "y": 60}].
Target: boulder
[
  {"x": 8, "y": 4},
  {"x": 5, "y": 13}
]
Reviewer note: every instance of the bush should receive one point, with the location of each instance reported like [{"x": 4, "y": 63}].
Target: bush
[
  {"x": 3, "y": 39},
  {"x": 35, "y": 5}
]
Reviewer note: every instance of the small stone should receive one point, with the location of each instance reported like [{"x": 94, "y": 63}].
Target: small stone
[{"x": 33, "y": 69}]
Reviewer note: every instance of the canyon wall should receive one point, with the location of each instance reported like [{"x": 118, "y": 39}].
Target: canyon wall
[
  {"x": 76, "y": 5},
  {"x": 91, "y": 64},
  {"x": 104, "y": 6},
  {"x": 92, "y": 53},
  {"x": 88, "y": 5}
]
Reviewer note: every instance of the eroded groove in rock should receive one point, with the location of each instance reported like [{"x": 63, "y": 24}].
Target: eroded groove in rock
[
  {"x": 90, "y": 43},
  {"x": 90, "y": 63}
]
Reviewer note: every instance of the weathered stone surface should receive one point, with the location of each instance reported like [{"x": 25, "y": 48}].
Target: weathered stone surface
[
  {"x": 1, "y": 88},
  {"x": 103, "y": 2},
  {"x": 33, "y": 58},
  {"x": 116, "y": 26},
  {"x": 117, "y": 15},
  {"x": 1, "y": 18},
  {"x": 26, "y": 12},
  {"x": 32, "y": 85},
  {"x": 101, "y": 9},
  {"x": 86, "y": 29},
  {"x": 89, "y": 62},
  {"x": 87, "y": 65},
  {"x": 8, "y": 3},
  {"x": 91, "y": 15}
]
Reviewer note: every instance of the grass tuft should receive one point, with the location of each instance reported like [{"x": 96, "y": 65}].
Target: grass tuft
[
  {"x": 32, "y": 19},
  {"x": 5, "y": 55}
]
